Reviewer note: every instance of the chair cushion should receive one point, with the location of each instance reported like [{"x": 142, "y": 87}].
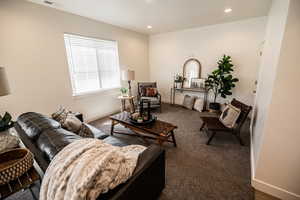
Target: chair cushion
[
  {"x": 214, "y": 124},
  {"x": 153, "y": 100},
  {"x": 230, "y": 115},
  {"x": 34, "y": 124}
]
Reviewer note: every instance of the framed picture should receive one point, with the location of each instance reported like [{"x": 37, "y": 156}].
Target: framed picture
[{"x": 197, "y": 82}]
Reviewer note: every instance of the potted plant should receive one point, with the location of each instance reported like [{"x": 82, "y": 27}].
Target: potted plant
[
  {"x": 124, "y": 91},
  {"x": 179, "y": 79},
  {"x": 221, "y": 81},
  {"x": 5, "y": 122}
]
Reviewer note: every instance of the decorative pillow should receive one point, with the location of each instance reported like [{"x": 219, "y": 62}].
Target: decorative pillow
[
  {"x": 188, "y": 102},
  {"x": 67, "y": 120},
  {"x": 198, "y": 105},
  {"x": 151, "y": 92},
  {"x": 60, "y": 115},
  {"x": 229, "y": 115},
  {"x": 85, "y": 131}
]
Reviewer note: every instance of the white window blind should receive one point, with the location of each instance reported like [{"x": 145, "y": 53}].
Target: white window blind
[{"x": 93, "y": 64}]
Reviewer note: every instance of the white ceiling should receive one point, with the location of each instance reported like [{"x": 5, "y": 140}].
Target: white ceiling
[{"x": 163, "y": 15}]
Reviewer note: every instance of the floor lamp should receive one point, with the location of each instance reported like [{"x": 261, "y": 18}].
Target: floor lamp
[
  {"x": 4, "y": 88},
  {"x": 6, "y": 122},
  {"x": 128, "y": 75}
]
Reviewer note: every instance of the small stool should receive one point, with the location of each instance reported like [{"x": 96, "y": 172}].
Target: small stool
[{"x": 123, "y": 103}]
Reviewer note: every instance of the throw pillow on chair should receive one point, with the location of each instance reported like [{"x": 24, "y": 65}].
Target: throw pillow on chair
[{"x": 151, "y": 92}]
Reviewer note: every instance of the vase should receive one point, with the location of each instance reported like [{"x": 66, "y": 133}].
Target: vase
[{"x": 178, "y": 85}]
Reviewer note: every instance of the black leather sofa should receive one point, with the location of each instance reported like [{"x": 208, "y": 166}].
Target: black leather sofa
[{"x": 45, "y": 138}]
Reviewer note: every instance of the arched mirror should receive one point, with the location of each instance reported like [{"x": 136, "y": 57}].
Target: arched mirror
[{"x": 191, "y": 70}]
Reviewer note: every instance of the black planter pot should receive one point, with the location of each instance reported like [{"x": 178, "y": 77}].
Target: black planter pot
[{"x": 214, "y": 106}]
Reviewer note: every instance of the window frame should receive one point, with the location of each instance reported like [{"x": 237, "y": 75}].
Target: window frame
[{"x": 70, "y": 61}]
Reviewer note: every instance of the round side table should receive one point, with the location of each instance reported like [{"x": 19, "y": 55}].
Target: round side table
[{"x": 123, "y": 103}]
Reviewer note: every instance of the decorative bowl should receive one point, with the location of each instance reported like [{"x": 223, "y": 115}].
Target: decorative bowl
[
  {"x": 151, "y": 120},
  {"x": 14, "y": 163}
]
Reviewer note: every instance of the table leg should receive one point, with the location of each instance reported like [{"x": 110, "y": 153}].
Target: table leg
[
  {"x": 174, "y": 93},
  {"x": 160, "y": 140},
  {"x": 173, "y": 138},
  {"x": 171, "y": 96},
  {"x": 123, "y": 105},
  {"x": 131, "y": 106},
  {"x": 112, "y": 127},
  {"x": 32, "y": 193}
]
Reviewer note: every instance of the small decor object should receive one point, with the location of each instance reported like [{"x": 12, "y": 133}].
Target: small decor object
[
  {"x": 197, "y": 83},
  {"x": 229, "y": 116},
  {"x": 5, "y": 122},
  {"x": 143, "y": 117},
  {"x": 198, "y": 105},
  {"x": 178, "y": 80},
  {"x": 124, "y": 91},
  {"x": 221, "y": 81},
  {"x": 14, "y": 163},
  {"x": 128, "y": 75},
  {"x": 188, "y": 102}
]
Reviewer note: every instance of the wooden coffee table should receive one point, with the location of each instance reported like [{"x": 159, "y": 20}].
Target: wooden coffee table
[{"x": 159, "y": 130}]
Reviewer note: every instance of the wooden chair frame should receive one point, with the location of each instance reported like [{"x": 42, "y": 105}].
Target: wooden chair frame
[{"x": 236, "y": 131}]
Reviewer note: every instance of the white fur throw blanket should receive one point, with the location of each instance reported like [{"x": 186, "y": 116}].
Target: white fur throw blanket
[{"x": 86, "y": 168}]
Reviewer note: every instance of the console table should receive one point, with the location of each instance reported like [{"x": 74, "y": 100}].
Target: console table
[{"x": 181, "y": 90}]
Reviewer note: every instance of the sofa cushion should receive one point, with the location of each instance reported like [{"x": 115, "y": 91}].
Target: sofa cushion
[
  {"x": 96, "y": 132},
  {"x": 52, "y": 141},
  {"x": 115, "y": 141},
  {"x": 34, "y": 124}
]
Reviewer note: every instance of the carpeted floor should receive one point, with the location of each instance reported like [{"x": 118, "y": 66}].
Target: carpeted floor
[{"x": 195, "y": 171}]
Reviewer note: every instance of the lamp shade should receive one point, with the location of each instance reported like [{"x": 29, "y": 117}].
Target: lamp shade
[
  {"x": 128, "y": 75},
  {"x": 4, "y": 88}
]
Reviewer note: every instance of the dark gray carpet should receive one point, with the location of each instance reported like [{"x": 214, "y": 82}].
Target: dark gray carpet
[{"x": 195, "y": 171}]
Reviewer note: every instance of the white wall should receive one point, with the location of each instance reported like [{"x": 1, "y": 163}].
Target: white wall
[
  {"x": 268, "y": 69},
  {"x": 241, "y": 40},
  {"x": 33, "y": 53},
  {"x": 278, "y": 162}
]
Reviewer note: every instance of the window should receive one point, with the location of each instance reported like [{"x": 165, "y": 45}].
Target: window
[{"x": 93, "y": 64}]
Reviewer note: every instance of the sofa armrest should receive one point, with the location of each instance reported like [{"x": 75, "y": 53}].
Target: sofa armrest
[{"x": 147, "y": 181}]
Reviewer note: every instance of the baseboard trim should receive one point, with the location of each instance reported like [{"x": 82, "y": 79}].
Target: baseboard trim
[
  {"x": 274, "y": 190},
  {"x": 266, "y": 187},
  {"x": 252, "y": 161}
]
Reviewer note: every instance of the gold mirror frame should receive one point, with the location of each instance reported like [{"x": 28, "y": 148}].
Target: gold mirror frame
[{"x": 184, "y": 70}]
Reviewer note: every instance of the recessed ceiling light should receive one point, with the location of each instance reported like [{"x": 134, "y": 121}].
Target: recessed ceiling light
[
  {"x": 149, "y": 27},
  {"x": 227, "y": 10}
]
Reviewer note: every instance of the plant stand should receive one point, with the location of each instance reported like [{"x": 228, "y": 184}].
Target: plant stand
[{"x": 123, "y": 103}]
